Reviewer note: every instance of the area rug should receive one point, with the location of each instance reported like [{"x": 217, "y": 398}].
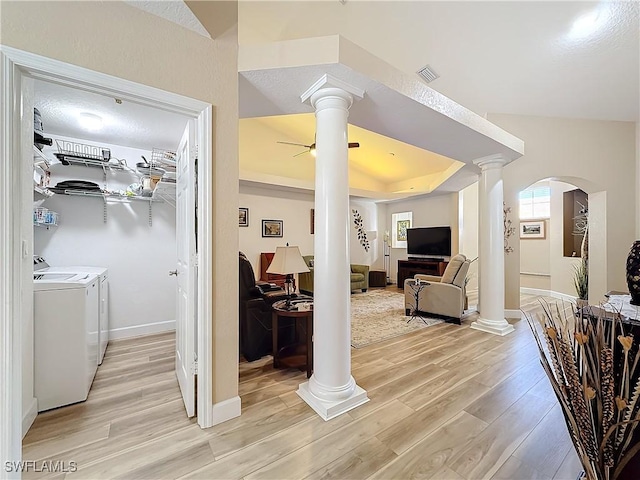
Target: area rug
[{"x": 378, "y": 315}]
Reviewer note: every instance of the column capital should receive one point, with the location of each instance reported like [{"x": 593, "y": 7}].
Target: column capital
[
  {"x": 497, "y": 160},
  {"x": 329, "y": 81},
  {"x": 331, "y": 98}
]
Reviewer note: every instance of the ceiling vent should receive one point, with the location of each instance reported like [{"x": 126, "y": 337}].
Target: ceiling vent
[{"x": 427, "y": 74}]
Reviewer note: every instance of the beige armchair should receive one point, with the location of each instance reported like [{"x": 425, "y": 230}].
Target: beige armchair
[{"x": 443, "y": 296}]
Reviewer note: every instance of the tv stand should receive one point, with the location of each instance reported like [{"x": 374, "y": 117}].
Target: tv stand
[
  {"x": 428, "y": 259},
  {"x": 425, "y": 266}
]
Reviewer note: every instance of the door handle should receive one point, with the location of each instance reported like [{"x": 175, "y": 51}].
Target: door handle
[{"x": 173, "y": 272}]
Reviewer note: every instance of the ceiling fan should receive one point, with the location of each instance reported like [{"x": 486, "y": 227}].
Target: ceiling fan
[{"x": 312, "y": 148}]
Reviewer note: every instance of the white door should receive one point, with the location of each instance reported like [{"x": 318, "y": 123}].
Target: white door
[{"x": 186, "y": 269}]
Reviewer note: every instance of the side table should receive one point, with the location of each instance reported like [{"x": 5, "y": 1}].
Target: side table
[
  {"x": 299, "y": 354},
  {"x": 377, "y": 278},
  {"x": 416, "y": 288}
]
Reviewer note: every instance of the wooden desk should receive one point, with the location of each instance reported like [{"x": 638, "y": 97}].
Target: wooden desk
[{"x": 299, "y": 354}]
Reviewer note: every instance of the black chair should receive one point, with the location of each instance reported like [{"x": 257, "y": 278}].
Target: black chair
[{"x": 255, "y": 300}]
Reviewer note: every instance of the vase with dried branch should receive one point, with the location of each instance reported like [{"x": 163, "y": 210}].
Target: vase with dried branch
[{"x": 592, "y": 362}]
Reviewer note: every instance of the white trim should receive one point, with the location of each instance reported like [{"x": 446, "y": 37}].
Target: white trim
[
  {"x": 514, "y": 314},
  {"x": 495, "y": 327},
  {"x": 327, "y": 81},
  {"x": 547, "y": 293},
  {"x": 15, "y": 63},
  {"x": 140, "y": 330},
  {"x": 331, "y": 409},
  {"x": 10, "y": 296},
  {"x": 74, "y": 76},
  {"x": 29, "y": 416},
  {"x": 206, "y": 415},
  {"x": 532, "y": 274},
  {"x": 225, "y": 410}
]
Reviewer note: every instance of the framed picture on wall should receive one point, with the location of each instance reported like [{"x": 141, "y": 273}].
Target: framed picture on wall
[
  {"x": 403, "y": 225},
  {"x": 272, "y": 228},
  {"x": 400, "y": 222},
  {"x": 313, "y": 221},
  {"x": 243, "y": 217},
  {"x": 532, "y": 229}
]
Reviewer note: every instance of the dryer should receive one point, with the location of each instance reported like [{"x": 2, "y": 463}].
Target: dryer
[
  {"x": 66, "y": 326},
  {"x": 41, "y": 265}
]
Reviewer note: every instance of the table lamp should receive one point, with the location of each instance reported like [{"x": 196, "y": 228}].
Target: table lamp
[{"x": 287, "y": 261}]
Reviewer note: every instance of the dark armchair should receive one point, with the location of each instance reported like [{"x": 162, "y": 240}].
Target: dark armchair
[{"x": 255, "y": 300}]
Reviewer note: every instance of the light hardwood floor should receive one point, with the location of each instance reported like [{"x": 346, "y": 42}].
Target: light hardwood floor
[{"x": 447, "y": 402}]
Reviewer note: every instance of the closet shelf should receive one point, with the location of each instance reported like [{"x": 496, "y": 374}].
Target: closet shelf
[
  {"x": 43, "y": 191},
  {"x": 165, "y": 191},
  {"x": 40, "y": 159}
]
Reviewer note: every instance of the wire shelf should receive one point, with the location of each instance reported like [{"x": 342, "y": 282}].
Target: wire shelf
[
  {"x": 163, "y": 158},
  {"x": 83, "y": 151}
]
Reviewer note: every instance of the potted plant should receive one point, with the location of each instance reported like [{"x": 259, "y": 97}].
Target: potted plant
[
  {"x": 593, "y": 364},
  {"x": 581, "y": 282}
]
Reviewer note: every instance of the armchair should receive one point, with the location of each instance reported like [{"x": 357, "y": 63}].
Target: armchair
[
  {"x": 255, "y": 300},
  {"x": 444, "y": 296},
  {"x": 359, "y": 277}
]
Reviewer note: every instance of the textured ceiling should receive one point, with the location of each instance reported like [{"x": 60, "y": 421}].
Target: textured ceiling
[
  {"x": 128, "y": 124},
  {"x": 492, "y": 57},
  {"x": 175, "y": 11}
]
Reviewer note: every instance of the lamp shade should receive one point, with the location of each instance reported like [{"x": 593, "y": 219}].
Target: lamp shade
[{"x": 287, "y": 260}]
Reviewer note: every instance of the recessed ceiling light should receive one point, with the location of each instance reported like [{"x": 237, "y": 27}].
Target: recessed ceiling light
[
  {"x": 589, "y": 23},
  {"x": 90, "y": 121}
]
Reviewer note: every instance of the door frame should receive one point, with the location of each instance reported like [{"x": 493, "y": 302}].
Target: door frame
[{"x": 15, "y": 64}]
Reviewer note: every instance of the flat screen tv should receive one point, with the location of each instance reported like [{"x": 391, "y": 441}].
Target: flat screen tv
[{"x": 429, "y": 241}]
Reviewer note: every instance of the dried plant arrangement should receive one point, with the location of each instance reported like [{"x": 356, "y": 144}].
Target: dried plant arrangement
[{"x": 591, "y": 359}]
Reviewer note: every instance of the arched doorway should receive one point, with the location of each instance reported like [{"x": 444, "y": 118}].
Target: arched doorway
[
  {"x": 560, "y": 268},
  {"x": 553, "y": 235}
]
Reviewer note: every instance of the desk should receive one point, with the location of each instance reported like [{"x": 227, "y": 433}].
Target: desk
[{"x": 299, "y": 354}]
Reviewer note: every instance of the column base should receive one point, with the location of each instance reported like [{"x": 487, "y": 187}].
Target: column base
[
  {"x": 495, "y": 327},
  {"x": 328, "y": 409}
]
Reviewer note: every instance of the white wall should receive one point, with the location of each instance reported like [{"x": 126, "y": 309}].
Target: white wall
[
  {"x": 600, "y": 158},
  {"x": 432, "y": 211},
  {"x": 535, "y": 253},
  {"x": 294, "y": 209},
  {"x": 468, "y": 225},
  {"x": 137, "y": 255}
]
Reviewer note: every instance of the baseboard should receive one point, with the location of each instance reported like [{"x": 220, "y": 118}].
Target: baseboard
[
  {"x": 226, "y": 410},
  {"x": 515, "y": 314},
  {"x": 139, "y": 330},
  {"x": 29, "y": 416},
  {"x": 547, "y": 293}
]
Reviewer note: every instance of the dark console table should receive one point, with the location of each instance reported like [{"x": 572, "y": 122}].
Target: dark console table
[{"x": 408, "y": 268}]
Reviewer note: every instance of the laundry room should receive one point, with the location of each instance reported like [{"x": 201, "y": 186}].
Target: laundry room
[{"x": 104, "y": 218}]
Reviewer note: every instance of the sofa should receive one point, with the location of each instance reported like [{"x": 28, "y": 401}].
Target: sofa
[
  {"x": 255, "y": 300},
  {"x": 359, "y": 277},
  {"x": 441, "y": 296}
]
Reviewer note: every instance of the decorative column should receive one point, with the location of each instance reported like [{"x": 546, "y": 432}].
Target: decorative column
[
  {"x": 491, "y": 247},
  {"x": 331, "y": 390}
]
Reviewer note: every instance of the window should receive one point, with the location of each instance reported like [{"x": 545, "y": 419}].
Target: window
[{"x": 535, "y": 203}]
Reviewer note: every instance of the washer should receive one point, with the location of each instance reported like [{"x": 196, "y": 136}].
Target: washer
[
  {"x": 41, "y": 265},
  {"x": 66, "y": 323}
]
